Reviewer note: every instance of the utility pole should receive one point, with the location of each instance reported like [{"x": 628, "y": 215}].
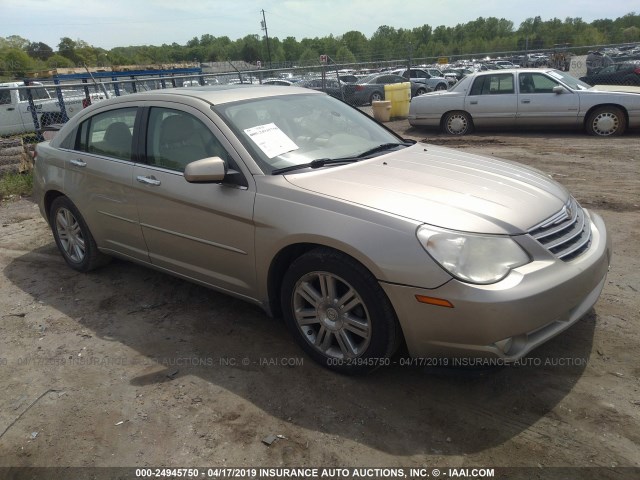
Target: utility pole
[{"x": 263, "y": 24}]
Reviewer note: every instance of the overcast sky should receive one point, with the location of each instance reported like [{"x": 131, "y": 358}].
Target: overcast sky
[{"x": 113, "y": 23}]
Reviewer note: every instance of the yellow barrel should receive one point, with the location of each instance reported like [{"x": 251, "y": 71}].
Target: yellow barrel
[
  {"x": 399, "y": 94},
  {"x": 382, "y": 111}
]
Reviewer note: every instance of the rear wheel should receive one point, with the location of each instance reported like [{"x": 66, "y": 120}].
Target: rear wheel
[
  {"x": 73, "y": 238},
  {"x": 376, "y": 97},
  {"x": 338, "y": 313},
  {"x": 606, "y": 122},
  {"x": 421, "y": 91},
  {"x": 457, "y": 123},
  {"x": 441, "y": 86}
]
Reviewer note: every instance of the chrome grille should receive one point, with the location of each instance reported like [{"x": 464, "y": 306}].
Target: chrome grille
[{"x": 567, "y": 234}]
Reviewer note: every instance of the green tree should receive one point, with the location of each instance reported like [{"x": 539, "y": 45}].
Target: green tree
[
  {"x": 67, "y": 48},
  {"x": 15, "y": 63},
  {"x": 39, "y": 50},
  {"x": 309, "y": 57},
  {"x": 58, "y": 61},
  {"x": 344, "y": 55}
]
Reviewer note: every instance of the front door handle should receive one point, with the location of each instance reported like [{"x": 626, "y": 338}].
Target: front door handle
[
  {"x": 525, "y": 101},
  {"x": 151, "y": 180},
  {"x": 78, "y": 163},
  {"x": 473, "y": 102}
]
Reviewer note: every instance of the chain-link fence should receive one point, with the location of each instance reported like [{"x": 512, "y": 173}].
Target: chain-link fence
[{"x": 30, "y": 109}]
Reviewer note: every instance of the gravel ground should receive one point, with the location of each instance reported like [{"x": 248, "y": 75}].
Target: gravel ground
[{"x": 129, "y": 367}]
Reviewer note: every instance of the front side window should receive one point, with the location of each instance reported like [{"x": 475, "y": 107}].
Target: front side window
[
  {"x": 494, "y": 84},
  {"x": 536, "y": 83},
  {"x": 108, "y": 133},
  {"x": 176, "y": 138},
  {"x": 5, "y": 96},
  {"x": 36, "y": 94}
]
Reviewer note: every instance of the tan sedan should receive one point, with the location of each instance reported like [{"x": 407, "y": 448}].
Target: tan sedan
[{"x": 307, "y": 207}]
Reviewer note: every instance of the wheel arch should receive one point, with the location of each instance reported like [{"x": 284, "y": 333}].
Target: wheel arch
[
  {"x": 600, "y": 105},
  {"x": 287, "y": 255},
  {"x": 49, "y": 198}
]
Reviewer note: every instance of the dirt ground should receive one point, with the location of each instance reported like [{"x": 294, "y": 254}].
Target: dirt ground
[{"x": 129, "y": 367}]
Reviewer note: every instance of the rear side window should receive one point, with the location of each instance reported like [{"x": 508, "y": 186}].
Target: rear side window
[
  {"x": 495, "y": 84},
  {"x": 108, "y": 133}
]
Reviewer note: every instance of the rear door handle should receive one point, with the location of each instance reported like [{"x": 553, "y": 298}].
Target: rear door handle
[
  {"x": 473, "y": 102},
  {"x": 151, "y": 180},
  {"x": 78, "y": 163},
  {"x": 10, "y": 109},
  {"x": 525, "y": 101}
]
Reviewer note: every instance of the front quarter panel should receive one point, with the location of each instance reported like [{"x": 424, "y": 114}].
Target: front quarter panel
[{"x": 385, "y": 244}]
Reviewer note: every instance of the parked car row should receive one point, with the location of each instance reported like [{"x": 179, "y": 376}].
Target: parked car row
[{"x": 362, "y": 92}]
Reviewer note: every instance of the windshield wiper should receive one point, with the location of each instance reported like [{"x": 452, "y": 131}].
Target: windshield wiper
[
  {"x": 320, "y": 162},
  {"x": 383, "y": 147}
]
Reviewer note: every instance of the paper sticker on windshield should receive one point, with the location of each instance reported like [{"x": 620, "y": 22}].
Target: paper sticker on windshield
[
  {"x": 555, "y": 75},
  {"x": 271, "y": 140}
]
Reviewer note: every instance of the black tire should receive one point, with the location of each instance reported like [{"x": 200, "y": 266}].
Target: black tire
[
  {"x": 607, "y": 121},
  {"x": 73, "y": 238},
  {"x": 338, "y": 313},
  {"x": 421, "y": 91},
  {"x": 376, "y": 97},
  {"x": 457, "y": 123},
  {"x": 441, "y": 86}
]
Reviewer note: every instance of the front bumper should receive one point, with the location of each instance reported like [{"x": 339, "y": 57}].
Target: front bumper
[{"x": 508, "y": 319}]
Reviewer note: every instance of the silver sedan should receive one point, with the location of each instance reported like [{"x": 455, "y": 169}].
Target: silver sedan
[
  {"x": 297, "y": 202},
  {"x": 526, "y": 98}
]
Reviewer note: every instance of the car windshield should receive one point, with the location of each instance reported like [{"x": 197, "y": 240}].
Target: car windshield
[
  {"x": 569, "y": 80},
  {"x": 288, "y": 130}
]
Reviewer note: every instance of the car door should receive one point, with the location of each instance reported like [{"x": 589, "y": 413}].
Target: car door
[
  {"x": 492, "y": 100},
  {"x": 10, "y": 116},
  {"x": 98, "y": 180},
  {"x": 539, "y": 105},
  {"x": 204, "y": 231}
]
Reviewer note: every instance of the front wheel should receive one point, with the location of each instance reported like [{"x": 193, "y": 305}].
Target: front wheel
[
  {"x": 457, "y": 123},
  {"x": 421, "y": 91},
  {"x": 606, "y": 122},
  {"x": 441, "y": 86},
  {"x": 73, "y": 238},
  {"x": 338, "y": 313}
]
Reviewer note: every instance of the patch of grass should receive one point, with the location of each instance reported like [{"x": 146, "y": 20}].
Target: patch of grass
[{"x": 16, "y": 184}]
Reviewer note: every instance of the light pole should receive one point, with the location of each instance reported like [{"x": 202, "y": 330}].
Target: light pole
[{"x": 263, "y": 24}]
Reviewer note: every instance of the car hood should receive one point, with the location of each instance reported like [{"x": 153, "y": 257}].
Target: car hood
[{"x": 445, "y": 188}]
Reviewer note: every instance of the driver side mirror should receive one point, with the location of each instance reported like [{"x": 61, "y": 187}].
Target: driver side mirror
[
  {"x": 558, "y": 89},
  {"x": 206, "y": 170}
]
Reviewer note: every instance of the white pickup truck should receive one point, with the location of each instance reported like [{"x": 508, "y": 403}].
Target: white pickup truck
[{"x": 15, "y": 112}]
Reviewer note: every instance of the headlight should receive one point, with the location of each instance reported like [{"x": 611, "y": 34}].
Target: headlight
[{"x": 473, "y": 258}]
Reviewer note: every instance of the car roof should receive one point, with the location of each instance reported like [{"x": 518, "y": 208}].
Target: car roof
[
  {"x": 217, "y": 94},
  {"x": 513, "y": 70}
]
